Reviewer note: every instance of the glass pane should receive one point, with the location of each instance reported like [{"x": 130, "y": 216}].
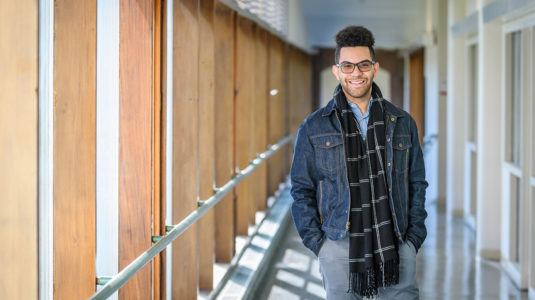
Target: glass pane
[
  {"x": 473, "y": 92},
  {"x": 515, "y": 222},
  {"x": 515, "y": 118},
  {"x": 518, "y": 219},
  {"x": 532, "y": 100},
  {"x": 516, "y": 101},
  {"x": 532, "y": 237},
  {"x": 273, "y": 12}
]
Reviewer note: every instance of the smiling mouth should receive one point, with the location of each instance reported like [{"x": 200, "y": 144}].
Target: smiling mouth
[{"x": 356, "y": 82}]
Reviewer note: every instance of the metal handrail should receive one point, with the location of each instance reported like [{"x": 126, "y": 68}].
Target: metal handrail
[{"x": 117, "y": 281}]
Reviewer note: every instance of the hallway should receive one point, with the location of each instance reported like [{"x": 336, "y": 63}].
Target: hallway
[
  {"x": 447, "y": 266},
  {"x": 147, "y": 136}
]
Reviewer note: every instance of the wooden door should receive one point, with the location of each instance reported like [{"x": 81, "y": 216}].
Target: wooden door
[{"x": 417, "y": 91}]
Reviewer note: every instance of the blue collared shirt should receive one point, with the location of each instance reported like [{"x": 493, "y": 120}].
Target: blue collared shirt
[{"x": 362, "y": 119}]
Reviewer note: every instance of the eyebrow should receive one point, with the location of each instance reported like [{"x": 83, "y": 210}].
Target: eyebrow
[{"x": 368, "y": 60}]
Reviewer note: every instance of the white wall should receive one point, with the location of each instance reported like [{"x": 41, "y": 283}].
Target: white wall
[
  {"x": 489, "y": 146},
  {"x": 434, "y": 72},
  {"x": 327, "y": 84},
  {"x": 431, "y": 120},
  {"x": 297, "y": 31},
  {"x": 455, "y": 179},
  {"x": 442, "y": 39},
  {"x": 383, "y": 79}
]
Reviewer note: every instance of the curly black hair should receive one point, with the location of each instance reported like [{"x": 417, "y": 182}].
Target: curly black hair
[{"x": 353, "y": 36}]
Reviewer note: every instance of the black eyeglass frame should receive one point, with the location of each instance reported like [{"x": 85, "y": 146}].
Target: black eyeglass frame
[{"x": 358, "y": 65}]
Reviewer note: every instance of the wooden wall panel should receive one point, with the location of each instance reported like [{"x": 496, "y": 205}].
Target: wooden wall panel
[
  {"x": 294, "y": 91},
  {"x": 281, "y": 108},
  {"x": 251, "y": 41},
  {"x": 74, "y": 148},
  {"x": 285, "y": 111},
  {"x": 224, "y": 70},
  {"x": 243, "y": 91},
  {"x": 19, "y": 149},
  {"x": 393, "y": 62},
  {"x": 260, "y": 116},
  {"x": 185, "y": 143},
  {"x": 206, "y": 142},
  {"x": 300, "y": 90},
  {"x": 135, "y": 142},
  {"x": 417, "y": 91},
  {"x": 308, "y": 101},
  {"x": 163, "y": 148},
  {"x": 158, "y": 215},
  {"x": 276, "y": 111},
  {"x": 297, "y": 82}
]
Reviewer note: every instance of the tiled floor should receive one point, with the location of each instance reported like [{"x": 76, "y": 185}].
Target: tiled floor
[{"x": 447, "y": 267}]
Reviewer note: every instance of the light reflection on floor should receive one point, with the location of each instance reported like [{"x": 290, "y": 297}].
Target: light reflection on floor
[{"x": 446, "y": 267}]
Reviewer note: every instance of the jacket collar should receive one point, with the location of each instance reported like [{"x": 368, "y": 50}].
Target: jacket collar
[{"x": 376, "y": 93}]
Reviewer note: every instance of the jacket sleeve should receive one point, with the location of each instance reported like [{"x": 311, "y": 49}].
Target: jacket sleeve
[
  {"x": 416, "y": 231},
  {"x": 304, "y": 180}
]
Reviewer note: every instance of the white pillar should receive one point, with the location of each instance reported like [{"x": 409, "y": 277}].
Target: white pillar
[
  {"x": 432, "y": 83},
  {"x": 489, "y": 147},
  {"x": 442, "y": 39},
  {"x": 107, "y": 139},
  {"x": 435, "y": 99},
  {"x": 456, "y": 127},
  {"x": 46, "y": 149}
]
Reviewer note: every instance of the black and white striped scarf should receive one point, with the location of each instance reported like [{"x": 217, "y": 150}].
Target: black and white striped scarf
[{"x": 373, "y": 255}]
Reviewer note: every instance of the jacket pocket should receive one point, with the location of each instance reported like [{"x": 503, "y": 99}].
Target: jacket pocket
[
  {"x": 401, "y": 145},
  {"x": 328, "y": 150}
]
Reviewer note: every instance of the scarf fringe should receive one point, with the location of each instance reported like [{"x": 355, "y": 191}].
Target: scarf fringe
[{"x": 366, "y": 283}]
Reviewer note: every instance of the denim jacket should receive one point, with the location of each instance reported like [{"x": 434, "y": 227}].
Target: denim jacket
[{"x": 320, "y": 186}]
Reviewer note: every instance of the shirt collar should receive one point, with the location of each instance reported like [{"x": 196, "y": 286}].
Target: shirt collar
[{"x": 356, "y": 109}]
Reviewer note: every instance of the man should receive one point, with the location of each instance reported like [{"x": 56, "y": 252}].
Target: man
[{"x": 358, "y": 183}]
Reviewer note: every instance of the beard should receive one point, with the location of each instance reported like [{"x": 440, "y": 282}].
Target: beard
[{"x": 357, "y": 92}]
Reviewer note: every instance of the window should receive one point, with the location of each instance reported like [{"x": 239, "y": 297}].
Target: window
[
  {"x": 273, "y": 12},
  {"x": 532, "y": 115},
  {"x": 515, "y": 94},
  {"x": 473, "y": 56},
  {"x": 516, "y": 217}
]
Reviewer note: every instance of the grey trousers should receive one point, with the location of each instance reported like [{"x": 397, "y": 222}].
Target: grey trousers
[{"x": 334, "y": 268}]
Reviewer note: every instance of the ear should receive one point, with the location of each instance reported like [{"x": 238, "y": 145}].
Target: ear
[
  {"x": 376, "y": 67},
  {"x": 335, "y": 72}
]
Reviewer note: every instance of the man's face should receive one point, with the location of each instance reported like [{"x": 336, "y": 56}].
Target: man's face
[{"x": 357, "y": 85}]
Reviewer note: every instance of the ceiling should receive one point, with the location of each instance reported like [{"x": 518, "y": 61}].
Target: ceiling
[{"x": 394, "y": 23}]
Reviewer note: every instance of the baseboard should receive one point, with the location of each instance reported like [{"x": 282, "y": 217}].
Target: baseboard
[
  {"x": 490, "y": 254},
  {"x": 457, "y": 213}
]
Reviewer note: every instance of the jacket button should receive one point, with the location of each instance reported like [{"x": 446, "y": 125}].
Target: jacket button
[
  {"x": 400, "y": 145},
  {"x": 388, "y": 164},
  {"x": 388, "y": 139},
  {"x": 328, "y": 144},
  {"x": 389, "y": 189},
  {"x": 392, "y": 119}
]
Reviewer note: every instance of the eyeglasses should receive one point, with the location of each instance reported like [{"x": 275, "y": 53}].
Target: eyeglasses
[{"x": 347, "y": 67}]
